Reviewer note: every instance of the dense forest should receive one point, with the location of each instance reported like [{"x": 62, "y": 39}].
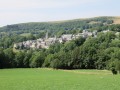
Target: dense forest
[{"x": 101, "y": 52}]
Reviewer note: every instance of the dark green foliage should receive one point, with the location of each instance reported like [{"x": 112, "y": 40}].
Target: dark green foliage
[
  {"x": 115, "y": 27},
  {"x": 79, "y": 41},
  {"x": 114, "y": 71},
  {"x": 9, "y": 56},
  {"x": 68, "y": 46},
  {"x": 118, "y": 66},
  {"x": 2, "y": 58},
  {"x": 55, "y": 48},
  {"x": 26, "y": 60},
  {"x": 37, "y": 59},
  {"x": 56, "y": 64},
  {"x": 19, "y": 57},
  {"x": 76, "y": 60},
  {"x": 112, "y": 65},
  {"x": 48, "y": 60}
]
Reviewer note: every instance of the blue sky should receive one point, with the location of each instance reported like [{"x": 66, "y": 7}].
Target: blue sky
[{"x": 21, "y": 11}]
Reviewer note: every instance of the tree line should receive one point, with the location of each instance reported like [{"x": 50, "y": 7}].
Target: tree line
[{"x": 101, "y": 52}]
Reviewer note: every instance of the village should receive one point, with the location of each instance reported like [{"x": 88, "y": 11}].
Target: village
[{"x": 47, "y": 41}]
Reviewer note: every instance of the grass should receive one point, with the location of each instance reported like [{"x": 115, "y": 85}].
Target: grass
[{"x": 49, "y": 79}]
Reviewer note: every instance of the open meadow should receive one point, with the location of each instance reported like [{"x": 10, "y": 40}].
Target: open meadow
[{"x": 49, "y": 79}]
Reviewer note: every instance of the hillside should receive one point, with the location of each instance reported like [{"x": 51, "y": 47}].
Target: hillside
[
  {"x": 68, "y": 26},
  {"x": 116, "y": 20},
  {"x": 34, "y": 30}
]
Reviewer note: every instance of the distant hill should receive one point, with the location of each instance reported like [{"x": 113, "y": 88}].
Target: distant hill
[{"x": 67, "y": 26}]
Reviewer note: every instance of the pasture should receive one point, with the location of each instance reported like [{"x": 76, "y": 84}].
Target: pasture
[{"x": 49, "y": 79}]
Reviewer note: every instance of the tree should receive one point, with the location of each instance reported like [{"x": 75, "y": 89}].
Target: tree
[
  {"x": 55, "y": 48},
  {"x": 69, "y": 46},
  {"x": 31, "y": 37},
  {"x": 2, "y": 59},
  {"x": 56, "y": 63},
  {"x": 79, "y": 41},
  {"x": 9, "y": 57},
  {"x": 19, "y": 57},
  {"x": 118, "y": 65},
  {"x": 76, "y": 61},
  {"x": 112, "y": 66},
  {"x": 115, "y": 43},
  {"x": 113, "y": 53},
  {"x": 37, "y": 59},
  {"x": 26, "y": 59},
  {"x": 89, "y": 53},
  {"x": 102, "y": 58},
  {"x": 48, "y": 60}
]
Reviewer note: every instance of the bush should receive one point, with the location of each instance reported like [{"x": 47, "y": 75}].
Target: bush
[
  {"x": 114, "y": 66},
  {"x": 114, "y": 71}
]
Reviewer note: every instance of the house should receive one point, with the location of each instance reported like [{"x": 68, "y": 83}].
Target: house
[
  {"x": 87, "y": 34},
  {"x": 46, "y": 42},
  {"x": 105, "y": 31},
  {"x": 67, "y": 37}
]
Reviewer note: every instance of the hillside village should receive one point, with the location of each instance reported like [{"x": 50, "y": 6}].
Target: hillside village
[{"x": 47, "y": 41}]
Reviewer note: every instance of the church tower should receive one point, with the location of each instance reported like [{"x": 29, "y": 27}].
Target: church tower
[{"x": 46, "y": 37}]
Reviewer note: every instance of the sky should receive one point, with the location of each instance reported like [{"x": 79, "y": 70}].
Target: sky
[{"x": 22, "y": 11}]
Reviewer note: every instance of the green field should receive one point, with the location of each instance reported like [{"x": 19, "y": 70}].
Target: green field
[{"x": 49, "y": 79}]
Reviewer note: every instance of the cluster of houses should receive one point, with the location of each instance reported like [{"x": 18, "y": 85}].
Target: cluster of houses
[{"x": 46, "y": 42}]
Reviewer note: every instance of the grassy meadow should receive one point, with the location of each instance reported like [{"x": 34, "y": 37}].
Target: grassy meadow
[{"x": 49, "y": 79}]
